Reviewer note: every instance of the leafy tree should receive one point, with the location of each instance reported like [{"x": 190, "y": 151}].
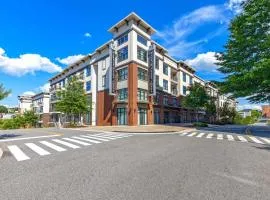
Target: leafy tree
[
  {"x": 227, "y": 114},
  {"x": 246, "y": 59},
  {"x": 3, "y": 92},
  {"x": 211, "y": 109},
  {"x": 197, "y": 97},
  {"x": 256, "y": 114},
  {"x": 73, "y": 100},
  {"x": 3, "y": 109},
  {"x": 30, "y": 118}
]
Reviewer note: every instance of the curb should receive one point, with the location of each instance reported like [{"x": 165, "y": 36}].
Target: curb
[
  {"x": 1, "y": 153},
  {"x": 154, "y": 132}
]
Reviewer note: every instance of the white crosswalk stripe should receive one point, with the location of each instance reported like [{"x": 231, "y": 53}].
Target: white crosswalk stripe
[
  {"x": 37, "y": 149},
  {"x": 192, "y": 134},
  {"x": 106, "y": 137},
  {"x": 77, "y": 141},
  {"x": 52, "y": 146},
  {"x": 88, "y": 140},
  {"x": 200, "y": 135},
  {"x": 210, "y": 136},
  {"x": 95, "y": 138},
  {"x": 230, "y": 138},
  {"x": 265, "y": 140},
  {"x": 254, "y": 139},
  {"x": 111, "y": 135},
  {"x": 18, "y": 153},
  {"x": 73, "y": 146},
  {"x": 242, "y": 139},
  {"x": 183, "y": 134},
  {"x": 118, "y": 135},
  {"x": 220, "y": 136}
]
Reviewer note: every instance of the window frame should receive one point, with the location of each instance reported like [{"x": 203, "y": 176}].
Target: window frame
[
  {"x": 139, "y": 54},
  {"x": 122, "y": 54},
  {"x": 122, "y": 40},
  {"x": 122, "y": 74},
  {"x": 167, "y": 85},
  {"x": 142, "y": 40},
  {"x": 142, "y": 74}
]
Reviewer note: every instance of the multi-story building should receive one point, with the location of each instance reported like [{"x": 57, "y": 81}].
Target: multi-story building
[
  {"x": 266, "y": 111},
  {"x": 131, "y": 79},
  {"x": 25, "y": 103}
]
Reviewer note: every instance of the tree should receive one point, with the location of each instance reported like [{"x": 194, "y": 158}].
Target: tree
[
  {"x": 227, "y": 114},
  {"x": 3, "y": 92},
  {"x": 197, "y": 97},
  {"x": 30, "y": 118},
  {"x": 211, "y": 109},
  {"x": 256, "y": 114},
  {"x": 73, "y": 100},
  {"x": 246, "y": 59},
  {"x": 3, "y": 109}
]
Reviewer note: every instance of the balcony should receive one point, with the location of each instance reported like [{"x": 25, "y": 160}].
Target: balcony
[{"x": 174, "y": 76}]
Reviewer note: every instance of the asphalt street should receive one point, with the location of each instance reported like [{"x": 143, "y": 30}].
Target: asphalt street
[{"x": 169, "y": 166}]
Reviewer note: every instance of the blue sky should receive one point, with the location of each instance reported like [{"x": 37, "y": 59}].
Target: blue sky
[{"x": 39, "y": 38}]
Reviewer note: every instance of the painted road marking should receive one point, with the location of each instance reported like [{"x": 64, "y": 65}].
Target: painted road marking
[
  {"x": 200, "y": 135},
  {"x": 73, "y": 146},
  {"x": 96, "y": 138},
  {"x": 242, "y": 139},
  {"x": 52, "y": 146},
  {"x": 183, "y": 134},
  {"x": 110, "y": 135},
  {"x": 192, "y": 134},
  {"x": 17, "y": 153},
  {"x": 210, "y": 136},
  {"x": 27, "y": 138},
  {"x": 266, "y": 140},
  {"x": 37, "y": 149},
  {"x": 255, "y": 140},
  {"x": 88, "y": 140},
  {"x": 106, "y": 137},
  {"x": 76, "y": 141},
  {"x": 230, "y": 137},
  {"x": 220, "y": 136}
]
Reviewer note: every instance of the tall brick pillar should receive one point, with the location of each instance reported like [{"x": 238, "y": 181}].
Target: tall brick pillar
[
  {"x": 150, "y": 111},
  {"x": 132, "y": 94}
]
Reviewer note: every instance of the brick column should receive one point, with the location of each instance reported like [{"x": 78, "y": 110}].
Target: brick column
[
  {"x": 150, "y": 111},
  {"x": 132, "y": 94}
]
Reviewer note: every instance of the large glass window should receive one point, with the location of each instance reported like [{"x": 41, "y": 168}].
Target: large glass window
[
  {"x": 122, "y": 54},
  {"x": 165, "y": 100},
  {"x": 122, "y": 74},
  {"x": 103, "y": 80},
  {"x": 141, "y": 54},
  {"x": 141, "y": 40},
  {"x": 190, "y": 80},
  {"x": 142, "y": 74},
  {"x": 122, "y": 40},
  {"x": 121, "y": 116},
  {"x": 157, "y": 63},
  {"x": 88, "y": 71},
  {"x": 122, "y": 94},
  {"x": 165, "y": 69},
  {"x": 184, "y": 90},
  {"x": 142, "y": 95},
  {"x": 184, "y": 77},
  {"x": 157, "y": 80},
  {"x": 88, "y": 86},
  {"x": 165, "y": 84}
]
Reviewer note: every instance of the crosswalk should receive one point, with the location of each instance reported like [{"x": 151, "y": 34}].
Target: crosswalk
[
  {"x": 45, "y": 148},
  {"x": 229, "y": 137}
]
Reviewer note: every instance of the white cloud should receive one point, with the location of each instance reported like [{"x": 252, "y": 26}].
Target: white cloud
[
  {"x": 45, "y": 87},
  {"x": 70, "y": 59},
  {"x": 26, "y": 64},
  {"x": 29, "y": 93},
  {"x": 205, "y": 62},
  {"x": 176, "y": 36},
  {"x": 87, "y": 35},
  {"x": 235, "y": 5}
]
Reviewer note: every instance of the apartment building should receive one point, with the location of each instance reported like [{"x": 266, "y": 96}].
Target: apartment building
[
  {"x": 39, "y": 103},
  {"x": 131, "y": 80}
]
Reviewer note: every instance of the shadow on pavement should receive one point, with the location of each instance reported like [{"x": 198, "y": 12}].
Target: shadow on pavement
[
  {"x": 267, "y": 148},
  {"x": 5, "y": 136}
]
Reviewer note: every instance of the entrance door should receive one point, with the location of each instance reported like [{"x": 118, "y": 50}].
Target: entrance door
[
  {"x": 121, "y": 116},
  {"x": 166, "y": 117},
  {"x": 142, "y": 116},
  {"x": 156, "y": 117}
]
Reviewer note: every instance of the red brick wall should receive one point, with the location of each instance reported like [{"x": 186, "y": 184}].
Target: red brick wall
[{"x": 266, "y": 111}]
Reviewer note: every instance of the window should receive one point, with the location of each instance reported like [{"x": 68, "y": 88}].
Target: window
[
  {"x": 141, "y": 54},
  {"x": 184, "y": 90},
  {"x": 165, "y": 69},
  {"x": 103, "y": 80},
  {"x": 104, "y": 64},
  {"x": 157, "y": 63},
  {"x": 88, "y": 86},
  {"x": 122, "y": 94},
  {"x": 184, "y": 77},
  {"x": 142, "y": 95},
  {"x": 122, "y": 54},
  {"x": 165, "y": 100},
  {"x": 142, "y": 74},
  {"x": 141, "y": 40},
  {"x": 174, "y": 101},
  {"x": 190, "y": 80},
  {"x": 156, "y": 98},
  {"x": 165, "y": 84},
  {"x": 64, "y": 83},
  {"x": 121, "y": 116},
  {"x": 157, "y": 80},
  {"x": 122, "y": 74},
  {"x": 122, "y": 40},
  {"x": 88, "y": 71}
]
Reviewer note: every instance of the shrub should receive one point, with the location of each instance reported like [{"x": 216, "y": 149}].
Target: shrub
[{"x": 200, "y": 124}]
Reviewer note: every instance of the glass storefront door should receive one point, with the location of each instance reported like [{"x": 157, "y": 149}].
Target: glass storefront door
[
  {"x": 142, "y": 116},
  {"x": 156, "y": 117},
  {"x": 121, "y": 116}
]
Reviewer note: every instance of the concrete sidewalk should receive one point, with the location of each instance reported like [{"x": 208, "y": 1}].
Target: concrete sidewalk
[{"x": 168, "y": 128}]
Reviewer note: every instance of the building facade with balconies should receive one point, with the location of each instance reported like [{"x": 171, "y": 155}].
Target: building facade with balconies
[{"x": 131, "y": 79}]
